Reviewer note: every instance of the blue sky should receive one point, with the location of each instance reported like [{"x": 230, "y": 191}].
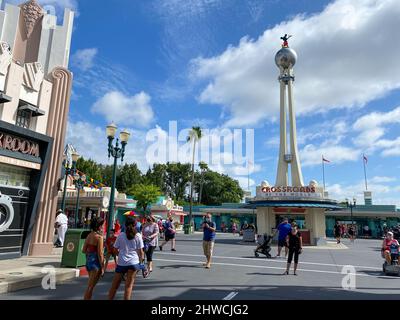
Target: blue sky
[{"x": 144, "y": 63}]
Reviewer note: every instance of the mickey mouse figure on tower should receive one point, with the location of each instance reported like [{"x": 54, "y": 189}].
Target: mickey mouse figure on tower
[{"x": 285, "y": 39}]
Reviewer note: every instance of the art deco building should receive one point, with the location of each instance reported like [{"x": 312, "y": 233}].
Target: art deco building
[{"x": 35, "y": 89}]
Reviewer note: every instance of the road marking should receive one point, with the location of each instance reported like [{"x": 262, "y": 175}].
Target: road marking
[
  {"x": 231, "y": 296},
  {"x": 269, "y": 260},
  {"x": 277, "y": 268}
]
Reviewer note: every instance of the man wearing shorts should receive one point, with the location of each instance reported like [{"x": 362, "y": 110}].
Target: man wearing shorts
[
  {"x": 284, "y": 228},
  {"x": 209, "y": 228}
]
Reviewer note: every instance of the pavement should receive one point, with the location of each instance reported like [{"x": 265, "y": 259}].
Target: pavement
[
  {"x": 27, "y": 272},
  {"x": 237, "y": 275}
]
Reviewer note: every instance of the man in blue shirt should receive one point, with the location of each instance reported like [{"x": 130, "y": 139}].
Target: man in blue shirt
[
  {"x": 209, "y": 228},
  {"x": 284, "y": 228}
]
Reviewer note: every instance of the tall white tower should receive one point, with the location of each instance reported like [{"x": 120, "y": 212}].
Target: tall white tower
[{"x": 285, "y": 59}]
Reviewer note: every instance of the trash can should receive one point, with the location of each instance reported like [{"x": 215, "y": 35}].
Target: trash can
[
  {"x": 72, "y": 255},
  {"x": 188, "y": 229}
]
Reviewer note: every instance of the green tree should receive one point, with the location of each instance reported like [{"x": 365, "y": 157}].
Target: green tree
[
  {"x": 220, "y": 188},
  {"x": 90, "y": 168},
  {"x": 203, "y": 169},
  {"x": 177, "y": 179},
  {"x": 194, "y": 136},
  {"x": 145, "y": 194},
  {"x": 128, "y": 175},
  {"x": 157, "y": 176}
]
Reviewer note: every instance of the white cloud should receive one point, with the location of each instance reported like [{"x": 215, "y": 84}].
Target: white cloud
[
  {"x": 70, "y": 4},
  {"x": 379, "y": 179},
  {"x": 90, "y": 142},
  {"x": 84, "y": 59},
  {"x": 371, "y": 129},
  {"x": 381, "y": 193},
  {"x": 125, "y": 110},
  {"x": 312, "y": 155},
  {"x": 343, "y": 62}
]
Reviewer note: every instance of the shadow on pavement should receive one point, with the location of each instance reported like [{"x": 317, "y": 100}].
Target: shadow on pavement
[{"x": 282, "y": 293}]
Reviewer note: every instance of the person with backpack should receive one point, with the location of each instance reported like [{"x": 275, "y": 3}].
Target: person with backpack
[
  {"x": 169, "y": 233},
  {"x": 130, "y": 259}
]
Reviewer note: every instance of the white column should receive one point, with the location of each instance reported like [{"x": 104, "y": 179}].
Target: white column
[
  {"x": 282, "y": 177},
  {"x": 297, "y": 177}
]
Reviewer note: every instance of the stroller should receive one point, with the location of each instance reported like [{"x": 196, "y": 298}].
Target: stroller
[{"x": 264, "y": 246}]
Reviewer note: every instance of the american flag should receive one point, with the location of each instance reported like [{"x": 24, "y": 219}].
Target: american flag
[{"x": 325, "y": 160}]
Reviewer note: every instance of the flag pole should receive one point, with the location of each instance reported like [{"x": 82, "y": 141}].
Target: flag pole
[
  {"x": 365, "y": 174},
  {"x": 323, "y": 171},
  {"x": 248, "y": 175}
]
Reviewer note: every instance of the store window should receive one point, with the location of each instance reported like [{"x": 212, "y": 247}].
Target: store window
[
  {"x": 24, "y": 118},
  {"x": 12, "y": 176}
]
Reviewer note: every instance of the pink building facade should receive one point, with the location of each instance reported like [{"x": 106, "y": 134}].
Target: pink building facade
[{"x": 35, "y": 90}]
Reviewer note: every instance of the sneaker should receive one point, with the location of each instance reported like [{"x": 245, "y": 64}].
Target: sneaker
[{"x": 160, "y": 248}]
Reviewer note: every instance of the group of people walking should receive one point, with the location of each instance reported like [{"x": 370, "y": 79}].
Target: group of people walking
[
  {"x": 137, "y": 243},
  {"x": 340, "y": 230},
  {"x": 129, "y": 251}
]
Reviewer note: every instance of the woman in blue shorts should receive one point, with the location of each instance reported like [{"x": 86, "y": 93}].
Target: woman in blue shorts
[
  {"x": 93, "y": 248},
  {"x": 130, "y": 259}
]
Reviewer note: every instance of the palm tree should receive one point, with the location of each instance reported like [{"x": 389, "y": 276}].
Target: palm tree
[
  {"x": 203, "y": 168},
  {"x": 194, "y": 136}
]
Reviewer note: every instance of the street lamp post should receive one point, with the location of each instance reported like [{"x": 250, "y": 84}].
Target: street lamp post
[
  {"x": 70, "y": 169},
  {"x": 116, "y": 152},
  {"x": 79, "y": 185},
  {"x": 351, "y": 205}
]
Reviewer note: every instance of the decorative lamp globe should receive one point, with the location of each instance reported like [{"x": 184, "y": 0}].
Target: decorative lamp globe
[
  {"x": 111, "y": 130},
  {"x": 124, "y": 136},
  {"x": 75, "y": 156}
]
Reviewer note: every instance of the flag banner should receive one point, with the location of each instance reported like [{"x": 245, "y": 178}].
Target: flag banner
[
  {"x": 325, "y": 160},
  {"x": 365, "y": 159}
]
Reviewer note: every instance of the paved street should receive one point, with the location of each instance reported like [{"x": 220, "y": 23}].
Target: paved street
[{"x": 237, "y": 274}]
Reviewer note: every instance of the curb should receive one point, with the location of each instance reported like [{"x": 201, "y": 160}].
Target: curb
[{"x": 17, "y": 283}]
